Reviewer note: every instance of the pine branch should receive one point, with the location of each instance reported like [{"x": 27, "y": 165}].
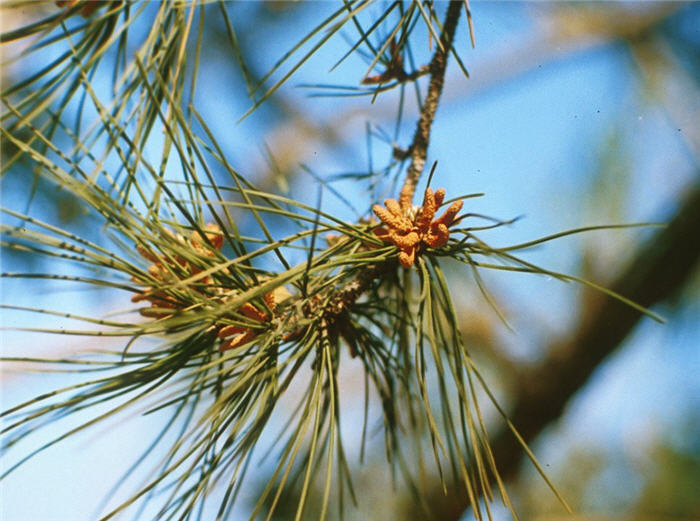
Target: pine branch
[
  {"x": 658, "y": 271},
  {"x": 231, "y": 339},
  {"x": 345, "y": 297}
]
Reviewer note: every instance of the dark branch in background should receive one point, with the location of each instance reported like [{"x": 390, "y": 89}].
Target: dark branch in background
[
  {"x": 437, "y": 67},
  {"x": 658, "y": 271}
]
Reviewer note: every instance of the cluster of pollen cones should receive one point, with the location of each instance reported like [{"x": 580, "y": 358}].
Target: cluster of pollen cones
[
  {"x": 164, "y": 305},
  {"x": 411, "y": 228}
]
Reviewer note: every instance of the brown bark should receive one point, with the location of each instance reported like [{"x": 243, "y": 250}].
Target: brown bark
[{"x": 421, "y": 138}]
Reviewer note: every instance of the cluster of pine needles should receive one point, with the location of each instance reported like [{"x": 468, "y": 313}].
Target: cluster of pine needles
[{"x": 241, "y": 320}]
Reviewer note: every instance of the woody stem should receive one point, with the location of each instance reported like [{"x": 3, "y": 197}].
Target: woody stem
[
  {"x": 346, "y": 297},
  {"x": 421, "y": 138}
]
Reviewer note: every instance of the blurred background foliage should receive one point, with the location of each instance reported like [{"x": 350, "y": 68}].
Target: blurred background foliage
[{"x": 624, "y": 147}]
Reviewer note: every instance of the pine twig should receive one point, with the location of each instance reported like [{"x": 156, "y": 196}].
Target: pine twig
[
  {"x": 421, "y": 139},
  {"x": 346, "y": 296}
]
